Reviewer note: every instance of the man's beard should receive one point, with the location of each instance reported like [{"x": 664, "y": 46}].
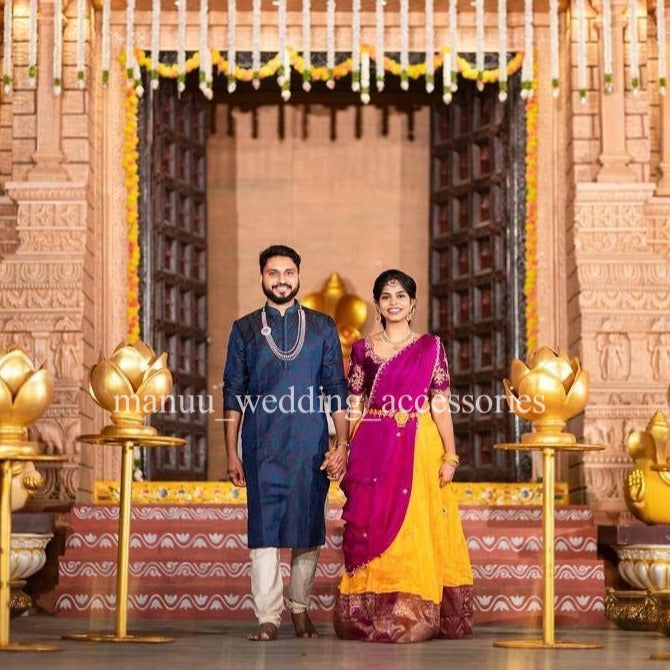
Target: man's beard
[{"x": 281, "y": 299}]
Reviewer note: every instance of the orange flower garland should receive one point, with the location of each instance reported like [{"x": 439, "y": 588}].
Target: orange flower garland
[
  {"x": 530, "y": 284},
  {"x": 132, "y": 182},
  {"x": 342, "y": 69}
]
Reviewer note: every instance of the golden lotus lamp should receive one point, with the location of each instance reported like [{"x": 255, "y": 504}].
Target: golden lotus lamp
[
  {"x": 25, "y": 394},
  {"x": 131, "y": 384},
  {"x": 548, "y": 390}
]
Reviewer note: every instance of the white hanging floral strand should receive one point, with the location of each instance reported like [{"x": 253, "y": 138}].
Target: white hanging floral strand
[
  {"x": 155, "y": 42},
  {"x": 447, "y": 95},
  {"x": 365, "y": 77},
  {"x": 356, "y": 46},
  {"x": 527, "y": 65},
  {"x": 330, "y": 42},
  {"x": 284, "y": 73},
  {"x": 607, "y": 46},
  {"x": 137, "y": 79},
  {"x": 307, "y": 45},
  {"x": 502, "y": 50},
  {"x": 106, "y": 41},
  {"x": 453, "y": 45},
  {"x": 130, "y": 40},
  {"x": 634, "y": 47},
  {"x": 662, "y": 56},
  {"x": 205, "y": 72},
  {"x": 58, "y": 48},
  {"x": 430, "y": 46},
  {"x": 554, "y": 48},
  {"x": 232, "y": 44},
  {"x": 7, "y": 51},
  {"x": 181, "y": 46},
  {"x": 479, "y": 43},
  {"x": 81, "y": 43},
  {"x": 32, "y": 44},
  {"x": 256, "y": 43},
  {"x": 404, "y": 44},
  {"x": 581, "y": 50},
  {"x": 379, "y": 44}
]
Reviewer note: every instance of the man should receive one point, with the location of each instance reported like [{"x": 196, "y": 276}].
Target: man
[{"x": 283, "y": 360}]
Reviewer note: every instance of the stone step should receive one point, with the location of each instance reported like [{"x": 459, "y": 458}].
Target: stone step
[
  {"x": 329, "y": 569},
  {"x": 233, "y": 601}
]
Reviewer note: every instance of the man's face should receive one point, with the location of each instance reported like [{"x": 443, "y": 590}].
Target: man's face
[{"x": 280, "y": 280}]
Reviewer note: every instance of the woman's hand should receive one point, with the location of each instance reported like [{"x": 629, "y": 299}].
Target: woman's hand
[
  {"x": 335, "y": 462},
  {"x": 446, "y": 473}
]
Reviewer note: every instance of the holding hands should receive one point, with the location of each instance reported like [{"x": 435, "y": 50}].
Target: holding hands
[{"x": 335, "y": 461}]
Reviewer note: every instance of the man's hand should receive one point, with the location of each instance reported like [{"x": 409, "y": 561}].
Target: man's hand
[
  {"x": 335, "y": 462},
  {"x": 235, "y": 471}
]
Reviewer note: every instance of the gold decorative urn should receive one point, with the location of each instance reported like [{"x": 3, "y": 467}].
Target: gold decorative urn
[
  {"x": 547, "y": 390},
  {"x": 349, "y": 310},
  {"x": 131, "y": 384}
]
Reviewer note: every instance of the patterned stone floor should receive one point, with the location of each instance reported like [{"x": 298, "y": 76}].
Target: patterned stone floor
[{"x": 205, "y": 645}]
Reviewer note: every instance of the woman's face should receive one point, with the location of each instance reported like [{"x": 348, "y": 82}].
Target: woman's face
[{"x": 394, "y": 302}]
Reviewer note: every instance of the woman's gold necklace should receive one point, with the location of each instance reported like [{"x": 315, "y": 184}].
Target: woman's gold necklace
[{"x": 396, "y": 344}]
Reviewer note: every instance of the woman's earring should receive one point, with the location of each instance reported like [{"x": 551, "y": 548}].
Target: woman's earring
[
  {"x": 378, "y": 317},
  {"x": 410, "y": 316}
]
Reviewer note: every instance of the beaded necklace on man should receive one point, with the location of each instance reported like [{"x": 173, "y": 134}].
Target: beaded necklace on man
[{"x": 292, "y": 353}]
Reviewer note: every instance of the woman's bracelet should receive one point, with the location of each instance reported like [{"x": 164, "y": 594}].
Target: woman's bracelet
[{"x": 451, "y": 459}]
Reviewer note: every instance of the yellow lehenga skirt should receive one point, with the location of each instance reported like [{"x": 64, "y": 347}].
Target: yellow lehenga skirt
[{"x": 421, "y": 586}]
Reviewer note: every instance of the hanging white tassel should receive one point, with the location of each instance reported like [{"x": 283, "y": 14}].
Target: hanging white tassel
[
  {"x": 356, "y": 46},
  {"x": 404, "y": 44},
  {"x": 634, "y": 48},
  {"x": 662, "y": 56},
  {"x": 205, "y": 71},
  {"x": 527, "y": 65},
  {"x": 106, "y": 41},
  {"x": 232, "y": 44},
  {"x": 155, "y": 42},
  {"x": 379, "y": 44},
  {"x": 581, "y": 50},
  {"x": 306, "y": 45},
  {"x": 447, "y": 95},
  {"x": 453, "y": 44},
  {"x": 607, "y": 46},
  {"x": 479, "y": 43},
  {"x": 502, "y": 50},
  {"x": 256, "y": 44},
  {"x": 430, "y": 46},
  {"x": 81, "y": 43},
  {"x": 7, "y": 51},
  {"x": 554, "y": 48},
  {"x": 365, "y": 77},
  {"x": 181, "y": 47},
  {"x": 330, "y": 42},
  {"x": 58, "y": 48},
  {"x": 130, "y": 41},
  {"x": 284, "y": 76},
  {"x": 32, "y": 44}
]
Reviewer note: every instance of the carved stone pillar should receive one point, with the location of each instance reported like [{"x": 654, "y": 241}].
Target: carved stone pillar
[
  {"x": 48, "y": 156},
  {"x": 42, "y": 308},
  {"x": 623, "y": 269},
  {"x": 614, "y": 158}
]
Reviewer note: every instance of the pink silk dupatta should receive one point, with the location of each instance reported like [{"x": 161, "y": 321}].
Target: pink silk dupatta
[{"x": 378, "y": 482}]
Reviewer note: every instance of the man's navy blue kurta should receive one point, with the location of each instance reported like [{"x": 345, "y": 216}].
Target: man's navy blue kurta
[{"x": 284, "y": 430}]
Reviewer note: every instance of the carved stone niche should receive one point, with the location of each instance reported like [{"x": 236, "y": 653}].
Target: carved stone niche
[{"x": 9, "y": 236}]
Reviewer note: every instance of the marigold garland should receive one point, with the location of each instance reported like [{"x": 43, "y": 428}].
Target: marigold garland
[
  {"x": 342, "y": 69},
  {"x": 132, "y": 183},
  {"x": 530, "y": 284}
]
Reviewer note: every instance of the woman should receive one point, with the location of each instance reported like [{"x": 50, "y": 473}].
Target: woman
[{"x": 407, "y": 571}]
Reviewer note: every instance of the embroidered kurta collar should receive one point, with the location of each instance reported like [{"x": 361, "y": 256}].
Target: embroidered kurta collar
[{"x": 275, "y": 312}]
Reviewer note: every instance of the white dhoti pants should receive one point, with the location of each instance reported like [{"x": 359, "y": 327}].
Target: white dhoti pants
[{"x": 267, "y": 588}]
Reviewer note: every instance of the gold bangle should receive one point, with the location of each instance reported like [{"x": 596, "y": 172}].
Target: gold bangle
[{"x": 451, "y": 459}]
